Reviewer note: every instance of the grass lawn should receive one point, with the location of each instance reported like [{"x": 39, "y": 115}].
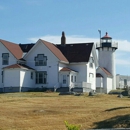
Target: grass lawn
[{"x": 48, "y": 111}]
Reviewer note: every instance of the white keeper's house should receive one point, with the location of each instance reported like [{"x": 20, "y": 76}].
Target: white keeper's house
[{"x": 46, "y": 65}]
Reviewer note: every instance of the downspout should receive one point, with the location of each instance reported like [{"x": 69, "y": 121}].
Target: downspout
[
  {"x": 58, "y": 74},
  {"x": 3, "y": 81},
  {"x": 20, "y": 81},
  {"x": 69, "y": 82},
  {"x": 58, "y": 71}
]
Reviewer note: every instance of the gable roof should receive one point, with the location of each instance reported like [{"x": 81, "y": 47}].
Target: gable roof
[
  {"x": 55, "y": 50},
  {"x": 67, "y": 69},
  {"x": 98, "y": 75},
  {"x": 76, "y": 52},
  {"x": 13, "y": 48},
  {"x": 22, "y": 59},
  {"x": 26, "y": 47},
  {"x": 79, "y": 52},
  {"x": 14, "y": 66}
]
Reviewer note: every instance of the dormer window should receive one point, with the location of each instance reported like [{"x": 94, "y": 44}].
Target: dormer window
[
  {"x": 5, "y": 58},
  {"x": 40, "y": 60}
]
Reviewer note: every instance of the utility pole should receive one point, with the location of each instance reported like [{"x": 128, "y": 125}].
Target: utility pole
[{"x": 100, "y": 35}]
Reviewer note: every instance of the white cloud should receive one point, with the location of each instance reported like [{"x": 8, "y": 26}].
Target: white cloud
[
  {"x": 69, "y": 39},
  {"x": 123, "y": 62},
  {"x": 121, "y": 53},
  {"x": 123, "y": 45}
]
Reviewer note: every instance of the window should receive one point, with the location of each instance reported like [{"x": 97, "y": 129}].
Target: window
[
  {"x": 41, "y": 77},
  {"x": 64, "y": 79},
  {"x": 2, "y": 76},
  {"x": 91, "y": 65},
  {"x": 40, "y": 60},
  {"x": 5, "y": 58},
  {"x": 91, "y": 61},
  {"x": 91, "y": 75},
  {"x": 31, "y": 75},
  {"x": 75, "y": 78},
  {"x": 125, "y": 82},
  {"x": 71, "y": 78}
]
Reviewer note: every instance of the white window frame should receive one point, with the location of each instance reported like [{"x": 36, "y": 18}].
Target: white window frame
[
  {"x": 64, "y": 79},
  {"x": 5, "y": 58},
  {"x": 40, "y": 60},
  {"x": 75, "y": 78},
  {"x": 31, "y": 75},
  {"x": 41, "y": 77},
  {"x": 2, "y": 73},
  {"x": 71, "y": 78}
]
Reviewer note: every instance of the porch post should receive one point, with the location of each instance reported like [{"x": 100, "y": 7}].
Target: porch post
[{"x": 69, "y": 85}]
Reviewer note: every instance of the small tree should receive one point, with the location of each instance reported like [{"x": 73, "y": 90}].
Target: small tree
[{"x": 71, "y": 126}]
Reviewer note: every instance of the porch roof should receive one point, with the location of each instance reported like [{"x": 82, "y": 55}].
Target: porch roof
[
  {"x": 106, "y": 71},
  {"x": 16, "y": 66},
  {"x": 98, "y": 75},
  {"x": 67, "y": 69}
]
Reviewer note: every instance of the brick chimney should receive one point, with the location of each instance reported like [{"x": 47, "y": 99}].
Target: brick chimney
[{"x": 63, "y": 39}]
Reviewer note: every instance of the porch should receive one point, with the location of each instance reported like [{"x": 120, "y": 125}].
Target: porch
[{"x": 74, "y": 87}]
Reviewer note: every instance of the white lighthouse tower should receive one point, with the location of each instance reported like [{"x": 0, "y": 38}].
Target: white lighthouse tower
[{"x": 106, "y": 56}]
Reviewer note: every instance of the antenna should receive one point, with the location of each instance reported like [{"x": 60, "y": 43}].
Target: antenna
[
  {"x": 99, "y": 34},
  {"x": 99, "y": 30}
]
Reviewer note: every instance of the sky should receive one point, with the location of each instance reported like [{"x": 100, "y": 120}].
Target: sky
[{"x": 25, "y": 21}]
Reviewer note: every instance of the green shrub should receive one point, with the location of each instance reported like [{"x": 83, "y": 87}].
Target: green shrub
[
  {"x": 71, "y": 126},
  {"x": 38, "y": 90}
]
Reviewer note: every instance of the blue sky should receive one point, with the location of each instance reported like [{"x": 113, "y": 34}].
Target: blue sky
[{"x": 25, "y": 21}]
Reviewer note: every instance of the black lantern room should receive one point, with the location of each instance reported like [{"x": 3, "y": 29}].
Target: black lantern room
[{"x": 106, "y": 41}]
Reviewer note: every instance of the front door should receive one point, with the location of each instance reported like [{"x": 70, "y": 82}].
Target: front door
[{"x": 64, "y": 81}]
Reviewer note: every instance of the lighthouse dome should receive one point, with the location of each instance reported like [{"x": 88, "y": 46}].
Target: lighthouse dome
[{"x": 106, "y": 36}]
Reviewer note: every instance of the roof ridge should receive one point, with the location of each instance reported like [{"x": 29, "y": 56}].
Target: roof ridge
[
  {"x": 13, "y": 48},
  {"x": 47, "y": 41},
  {"x": 53, "y": 48},
  {"x": 8, "y": 41},
  {"x": 76, "y": 43}
]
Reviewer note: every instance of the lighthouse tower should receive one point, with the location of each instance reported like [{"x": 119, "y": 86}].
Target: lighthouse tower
[{"x": 106, "y": 56}]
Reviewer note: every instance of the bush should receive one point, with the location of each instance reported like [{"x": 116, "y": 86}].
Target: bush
[
  {"x": 71, "y": 126},
  {"x": 38, "y": 90},
  {"x": 92, "y": 93},
  {"x": 49, "y": 91}
]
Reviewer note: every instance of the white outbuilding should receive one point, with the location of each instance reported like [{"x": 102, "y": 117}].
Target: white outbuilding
[
  {"x": 18, "y": 78},
  {"x": 122, "y": 81}
]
